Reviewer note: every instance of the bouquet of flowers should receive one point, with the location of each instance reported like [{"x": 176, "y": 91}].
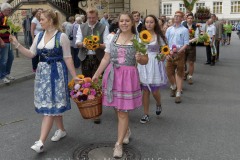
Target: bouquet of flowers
[
  {"x": 86, "y": 89},
  {"x": 146, "y": 38},
  {"x": 203, "y": 38},
  {"x": 92, "y": 42},
  {"x": 191, "y": 33},
  {"x": 164, "y": 52}
]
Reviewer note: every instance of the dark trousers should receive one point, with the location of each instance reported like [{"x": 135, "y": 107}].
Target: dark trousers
[
  {"x": 90, "y": 65},
  {"x": 76, "y": 60},
  {"x": 210, "y": 58}
]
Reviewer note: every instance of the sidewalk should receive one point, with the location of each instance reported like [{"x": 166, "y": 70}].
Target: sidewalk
[{"x": 21, "y": 68}]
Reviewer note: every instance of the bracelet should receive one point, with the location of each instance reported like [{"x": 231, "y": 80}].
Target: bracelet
[{"x": 17, "y": 45}]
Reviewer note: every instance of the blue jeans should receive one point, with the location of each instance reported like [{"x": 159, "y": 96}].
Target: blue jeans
[{"x": 6, "y": 60}]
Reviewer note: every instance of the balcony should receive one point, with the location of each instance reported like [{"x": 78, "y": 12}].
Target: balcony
[{"x": 62, "y": 5}]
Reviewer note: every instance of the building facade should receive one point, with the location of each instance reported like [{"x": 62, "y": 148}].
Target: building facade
[{"x": 224, "y": 9}]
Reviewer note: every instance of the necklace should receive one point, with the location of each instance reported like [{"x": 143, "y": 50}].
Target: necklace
[
  {"x": 50, "y": 30},
  {"x": 124, "y": 41}
]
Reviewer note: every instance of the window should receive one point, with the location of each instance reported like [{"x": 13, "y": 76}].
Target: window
[
  {"x": 182, "y": 8},
  {"x": 235, "y": 7},
  {"x": 167, "y": 9},
  {"x": 217, "y": 7},
  {"x": 199, "y": 5}
]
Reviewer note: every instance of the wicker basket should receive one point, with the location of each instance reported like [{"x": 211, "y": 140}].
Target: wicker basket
[{"x": 91, "y": 108}]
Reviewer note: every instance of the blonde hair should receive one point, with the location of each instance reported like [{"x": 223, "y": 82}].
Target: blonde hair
[
  {"x": 52, "y": 15},
  {"x": 92, "y": 10}
]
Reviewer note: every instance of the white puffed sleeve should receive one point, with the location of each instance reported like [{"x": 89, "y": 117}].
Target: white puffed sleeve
[
  {"x": 65, "y": 43},
  {"x": 33, "y": 48},
  {"x": 108, "y": 42}
]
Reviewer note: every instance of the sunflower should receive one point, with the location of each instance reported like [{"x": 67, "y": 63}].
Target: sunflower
[
  {"x": 95, "y": 46},
  {"x": 165, "y": 50},
  {"x": 85, "y": 41},
  {"x": 80, "y": 76},
  {"x": 95, "y": 39},
  {"x": 89, "y": 47},
  {"x": 145, "y": 36},
  {"x": 90, "y": 42},
  {"x": 71, "y": 84}
]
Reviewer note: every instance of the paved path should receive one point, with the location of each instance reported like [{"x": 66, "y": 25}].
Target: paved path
[{"x": 205, "y": 126}]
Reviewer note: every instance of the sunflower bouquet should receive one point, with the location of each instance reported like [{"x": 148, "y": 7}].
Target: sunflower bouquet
[
  {"x": 164, "y": 52},
  {"x": 145, "y": 37},
  {"x": 85, "y": 89},
  {"x": 91, "y": 42}
]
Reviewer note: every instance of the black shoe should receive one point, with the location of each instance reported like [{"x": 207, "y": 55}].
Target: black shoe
[
  {"x": 158, "y": 109},
  {"x": 212, "y": 64},
  {"x": 207, "y": 63},
  {"x": 144, "y": 119},
  {"x": 97, "y": 121}
]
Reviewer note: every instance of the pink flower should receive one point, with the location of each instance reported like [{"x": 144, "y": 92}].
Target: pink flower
[
  {"x": 91, "y": 97},
  {"x": 79, "y": 94},
  {"x": 86, "y": 85},
  {"x": 93, "y": 92}
]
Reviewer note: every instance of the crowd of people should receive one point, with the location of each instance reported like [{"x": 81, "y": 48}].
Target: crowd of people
[{"x": 129, "y": 77}]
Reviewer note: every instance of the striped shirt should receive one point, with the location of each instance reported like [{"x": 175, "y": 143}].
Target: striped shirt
[{"x": 4, "y": 36}]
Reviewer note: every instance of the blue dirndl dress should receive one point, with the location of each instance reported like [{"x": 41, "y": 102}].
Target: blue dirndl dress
[{"x": 51, "y": 95}]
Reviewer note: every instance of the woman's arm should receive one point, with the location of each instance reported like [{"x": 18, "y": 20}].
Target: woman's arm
[
  {"x": 28, "y": 53},
  {"x": 70, "y": 66},
  {"x": 104, "y": 63}
]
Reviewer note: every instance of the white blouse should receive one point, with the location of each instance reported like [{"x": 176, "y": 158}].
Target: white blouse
[{"x": 64, "y": 42}]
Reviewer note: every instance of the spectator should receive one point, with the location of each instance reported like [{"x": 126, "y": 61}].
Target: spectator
[
  {"x": 104, "y": 20},
  {"x": 26, "y": 25},
  {"x": 211, "y": 31},
  {"x": 218, "y": 25},
  {"x": 6, "y": 52}
]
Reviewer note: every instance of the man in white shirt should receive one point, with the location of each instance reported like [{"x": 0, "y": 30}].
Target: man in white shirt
[
  {"x": 91, "y": 58},
  {"x": 211, "y": 31}
]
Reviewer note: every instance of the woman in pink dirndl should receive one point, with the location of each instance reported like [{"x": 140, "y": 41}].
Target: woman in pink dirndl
[{"x": 121, "y": 85}]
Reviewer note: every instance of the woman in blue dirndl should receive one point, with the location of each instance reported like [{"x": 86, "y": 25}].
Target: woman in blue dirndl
[{"x": 51, "y": 96}]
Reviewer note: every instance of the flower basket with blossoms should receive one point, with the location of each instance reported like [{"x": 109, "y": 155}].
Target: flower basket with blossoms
[
  {"x": 88, "y": 96},
  {"x": 164, "y": 52},
  {"x": 91, "y": 42}
]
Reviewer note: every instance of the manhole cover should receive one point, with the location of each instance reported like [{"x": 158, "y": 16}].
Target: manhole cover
[{"x": 104, "y": 151}]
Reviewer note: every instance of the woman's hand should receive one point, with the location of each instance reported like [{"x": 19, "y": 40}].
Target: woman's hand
[
  {"x": 13, "y": 40},
  {"x": 95, "y": 78},
  {"x": 77, "y": 80},
  {"x": 138, "y": 56}
]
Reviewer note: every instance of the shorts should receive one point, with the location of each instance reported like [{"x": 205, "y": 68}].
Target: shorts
[
  {"x": 176, "y": 66},
  {"x": 229, "y": 35},
  {"x": 190, "y": 53}
]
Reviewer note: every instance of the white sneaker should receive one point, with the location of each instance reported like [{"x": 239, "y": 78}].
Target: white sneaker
[
  {"x": 127, "y": 136},
  {"x": 58, "y": 135},
  {"x": 5, "y": 80},
  {"x": 10, "y": 77},
  {"x": 38, "y": 146}
]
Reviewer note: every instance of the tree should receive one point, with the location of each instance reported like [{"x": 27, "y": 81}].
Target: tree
[{"x": 189, "y": 4}]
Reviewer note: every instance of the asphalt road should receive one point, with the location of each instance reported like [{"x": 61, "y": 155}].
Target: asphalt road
[{"x": 205, "y": 126}]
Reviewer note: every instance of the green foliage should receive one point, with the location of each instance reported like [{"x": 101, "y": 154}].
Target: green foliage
[
  {"x": 12, "y": 27},
  {"x": 139, "y": 46}
]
